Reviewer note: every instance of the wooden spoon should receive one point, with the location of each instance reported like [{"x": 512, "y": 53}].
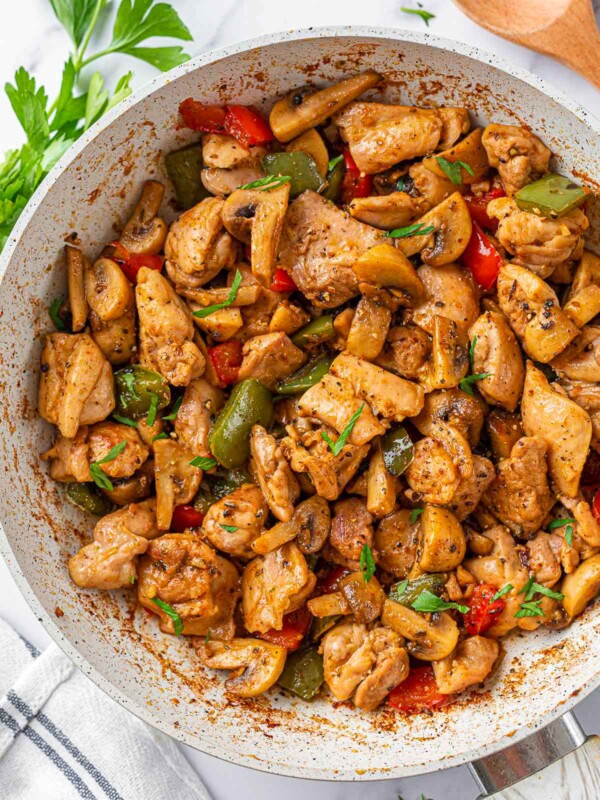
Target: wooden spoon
[{"x": 565, "y": 29}]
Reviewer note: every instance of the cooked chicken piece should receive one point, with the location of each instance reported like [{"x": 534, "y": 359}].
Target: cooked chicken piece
[
  {"x": 225, "y": 590},
  {"x": 470, "y": 663},
  {"x": 430, "y": 189},
  {"x": 104, "y": 436},
  {"x": 587, "y": 395},
  {"x": 586, "y": 525},
  {"x": 538, "y": 242},
  {"x": 257, "y": 317},
  {"x": 504, "y": 430},
  {"x": 534, "y": 313},
  {"x": 197, "y": 246},
  {"x": 334, "y": 402},
  {"x": 270, "y": 358},
  {"x": 465, "y": 413},
  {"x": 310, "y": 453},
  {"x": 275, "y": 585},
  {"x": 387, "y": 394},
  {"x": 441, "y": 461},
  {"x": 116, "y": 338},
  {"x": 256, "y": 664},
  {"x": 451, "y": 293},
  {"x": 565, "y": 427},
  {"x": 177, "y": 570},
  {"x": 470, "y": 490},
  {"x": 516, "y": 153},
  {"x": 226, "y": 181},
  {"x": 224, "y": 152},
  {"x": 520, "y": 496},
  {"x": 390, "y": 669},
  {"x": 69, "y": 460},
  {"x": 177, "y": 480},
  {"x": 76, "y": 384},
  {"x": 319, "y": 244},
  {"x": 455, "y": 123},
  {"x": 351, "y": 529},
  {"x": 580, "y": 361},
  {"x": 395, "y": 543},
  {"x": 196, "y": 415},
  {"x": 108, "y": 562},
  {"x": 234, "y": 522},
  {"x": 275, "y": 478},
  {"x": 406, "y": 351},
  {"x": 544, "y": 558},
  {"x": 380, "y": 135},
  {"x": 497, "y": 353},
  {"x": 166, "y": 330},
  {"x": 388, "y": 211}
]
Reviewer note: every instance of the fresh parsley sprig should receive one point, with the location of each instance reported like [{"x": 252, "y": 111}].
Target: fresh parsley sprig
[
  {"x": 466, "y": 384},
  {"x": 567, "y": 523},
  {"x": 367, "y": 563},
  {"x": 99, "y": 477},
  {"x": 418, "y": 229},
  {"x": 429, "y": 602},
  {"x": 206, "y": 312},
  {"x": 453, "y": 169},
  {"x": 419, "y": 12},
  {"x": 336, "y": 447},
  {"x": 170, "y": 612},
  {"x": 203, "y": 463}
]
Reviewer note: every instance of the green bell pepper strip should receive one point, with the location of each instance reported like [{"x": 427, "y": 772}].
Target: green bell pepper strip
[
  {"x": 250, "y": 403},
  {"x": 87, "y": 498},
  {"x": 183, "y": 168},
  {"x": 300, "y": 167},
  {"x": 398, "y": 450},
  {"x": 316, "y": 332},
  {"x": 321, "y": 625},
  {"x": 306, "y": 376},
  {"x": 406, "y": 592},
  {"x": 551, "y": 196},
  {"x": 335, "y": 177},
  {"x": 135, "y": 388},
  {"x": 219, "y": 484},
  {"x": 303, "y": 673}
]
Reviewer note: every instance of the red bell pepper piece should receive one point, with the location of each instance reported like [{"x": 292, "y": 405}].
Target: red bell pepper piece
[
  {"x": 185, "y": 517},
  {"x": 247, "y": 126},
  {"x": 331, "y": 581},
  {"x": 354, "y": 183},
  {"x": 418, "y": 692},
  {"x": 226, "y": 358},
  {"x": 596, "y": 505},
  {"x": 295, "y": 628},
  {"x": 482, "y": 258},
  {"x": 201, "y": 117},
  {"x": 483, "y": 612},
  {"x": 282, "y": 282},
  {"x": 131, "y": 263},
  {"x": 478, "y": 208}
]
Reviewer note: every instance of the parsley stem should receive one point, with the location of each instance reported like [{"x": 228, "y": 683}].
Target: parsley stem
[{"x": 78, "y": 61}]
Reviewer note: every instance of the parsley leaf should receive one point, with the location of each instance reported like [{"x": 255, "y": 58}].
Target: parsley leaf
[
  {"x": 29, "y": 104},
  {"x": 465, "y": 383},
  {"x": 54, "y": 312},
  {"x": 96, "y": 100},
  {"x": 334, "y": 162},
  {"x": 559, "y": 523},
  {"x": 531, "y": 609},
  {"x": 170, "y": 612},
  {"x": 367, "y": 563},
  {"x": 76, "y": 16},
  {"x": 429, "y": 602},
  {"x": 173, "y": 415},
  {"x": 415, "y": 514},
  {"x": 229, "y": 528},
  {"x": 400, "y": 184},
  {"x": 207, "y": 637},
  {"x": 151, "y": 416},
  {"x": 138, "y": 20},
  {"x": 160, "y": 436},
  {"x": 268, "y": 183},
  {"x": 99, "y": 477},
  {"x": 128, "y": 379},
  {"x": 336, "y": 447},
  {"x": 418, "y": 229},
  {"x": 569, "y": 535},
  {"x": 472, "y": 351},
  {"x": 420, "y": 12},
  {"x": 203, "y": 463},
  {"x": 125, "y": 420},
  {"x": 537, "y": 588},
  {"x": 501, "y": 592},
  {"x": 453, "y": 169},
  {"x": 206, "y": 312}
]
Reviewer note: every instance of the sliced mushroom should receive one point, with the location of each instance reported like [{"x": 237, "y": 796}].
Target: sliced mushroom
[
  {"x": 469, "y": 151},
  {"x": 456, "y": 408},
  {"x": 225, "y": 181},
  {"x": 581, "y": 586},
  {"x": 365, "y": 598},
  {"x": 442, "y": 543},
  {"x": 260, "y": 662},
  {"x": 146, "y": 232},
  {"x": 76, "y": 269},
  {"x": 496, "y": 353},
  {"x": 303, "y": 108},
  {"x": 221, "y": 325},
  {"x": 311, "y": 143},
  {"x": 369, "y": 327},
  {"x": 134, "y": 489},
  {"x": 450, "y": 292},
  {"x": 431, "y": 636},
  {"x": 452, "y": 227},
  {"x": 384, "y": 265},
  {"x": 395, "y": 542},
  {"x": 107, "y": 290},
  {"x": 382, "y": 486},
  {"x": 388, "y": 211},
  {"x": 449, "y": 361},
  {"x": 177, "y": 481},
  {"x": 309, "y": 526}
]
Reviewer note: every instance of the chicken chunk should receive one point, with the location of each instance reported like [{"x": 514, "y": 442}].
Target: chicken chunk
[
  {"x": 351, "y": 530},
  {"x": 225, "y": 152},
  {"x": 257, "y": 664},
  {"x": 319, "y": 244},
  {"x": 520, "y": 496},
  {"x": 275, "y": 478},
  {"x": 465, "y": 413},
  {"x": 395, "y": 543},
  {"x": 544, "y": 558},
  {"x": 166, "y": 330},
  {"x": 538, "y": 242},
  {"x": 562, "y": 424},
  {"x": 580, "y": 361},
  {"x": 270, "y": 358},
  {"x": 69, "y": 458},
  {"x": 469, "y": 491},
  {"x": 196, "y": 415},
  {"x": 76, "y": 385},
  {"x": 380, "y": 135},
  {"x": 117, "y": 337},
  {"x": 497, "y": 353},
  {"x": 236, "y": 520},
  {"x": 406, "y": 351},
  {"x": 274, "y": 585},
  {"x": 450, "y": 292},
  {"x": 517, "y": 154},
  {"x": 198, "y": 246},
  {"x": 469, "y": 664},
  {"x": 104, "y": 436},
  {"x": 176, "y": 570},
  {"x": 363, "y": 663},
  {"x": 441, "y": 461},
  {"x": 109, "y": 561}
]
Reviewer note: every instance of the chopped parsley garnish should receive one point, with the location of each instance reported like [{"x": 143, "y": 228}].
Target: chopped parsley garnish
[
  {"x": 418, "y": 229},
  {"x": 54, "y": 312},
  {"x": 128, "y": 379},
  {"x": 334, "y": 162},
  {"x": 229, "y": 528},
  {"x": 466, "y": 383},
  {"x": 367, "y": 563},
  {"x": 400, "y": 184},
  {"x": 415, "y": 514},
  {"x": 162, "y": 435},
  {"x": 170, "y": 612},
  {"x": 429, "y": 602},
  {"x": 398, "y": 590},
  {"x": 501, "y": 592},
  {"x": 125, "y": 420},
  {"x": 472, "y": 351},
  {"x": 99, "y": 477},
  {"x": 203, "y": 462},
  {"x": 132, "y": 580},
  {"x": 336, "y": 447},
  {"x": 268, "y": 183},
  {"x": 531, "y": 609},
  {"x": 206, "y": 312},
  {"x": 569, "y": 535},
  {"x": 565, "y": 522},
  {"x": 207, "y": 637},
  {"x": 453, "y": 168},
  {"x": 151, "y": 417},
  {"x": 419, "y": 12},
  {"x": 173, "y": 415}
]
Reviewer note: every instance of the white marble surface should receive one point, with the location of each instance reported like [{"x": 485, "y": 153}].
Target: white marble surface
[{"x": 30, "y": 35}]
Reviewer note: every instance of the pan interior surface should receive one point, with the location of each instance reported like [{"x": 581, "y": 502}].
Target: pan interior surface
[{"x": 157, "y": 676}]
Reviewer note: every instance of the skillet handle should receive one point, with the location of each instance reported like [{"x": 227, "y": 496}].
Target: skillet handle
[{"x": 521, "y": 762}]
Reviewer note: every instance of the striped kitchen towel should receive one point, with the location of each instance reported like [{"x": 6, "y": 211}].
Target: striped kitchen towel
[{"x": 62, "y": 738}]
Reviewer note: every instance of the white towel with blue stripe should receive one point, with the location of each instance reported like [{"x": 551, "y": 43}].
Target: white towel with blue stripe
[{"x": 62, "y": 738}]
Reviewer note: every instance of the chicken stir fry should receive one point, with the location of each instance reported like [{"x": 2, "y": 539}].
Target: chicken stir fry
[{"x": 340, "y": 419}]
